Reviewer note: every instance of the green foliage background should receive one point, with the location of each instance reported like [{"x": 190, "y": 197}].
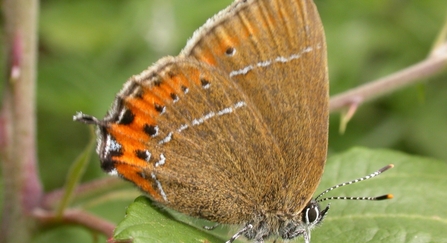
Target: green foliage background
[{"x": 88, "y": 49}]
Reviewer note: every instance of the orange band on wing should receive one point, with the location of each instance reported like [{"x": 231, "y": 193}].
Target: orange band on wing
[{"x": 134, "y": 174}]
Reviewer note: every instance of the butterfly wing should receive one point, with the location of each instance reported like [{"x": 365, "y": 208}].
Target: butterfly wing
[
  {"x": 188, "y": 136},
  {"x": 234, "y": 126},
  {"x": 275, "y": 51}
]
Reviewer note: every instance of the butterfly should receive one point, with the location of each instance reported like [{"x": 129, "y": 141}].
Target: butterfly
[{"x": 235, "y": 128}]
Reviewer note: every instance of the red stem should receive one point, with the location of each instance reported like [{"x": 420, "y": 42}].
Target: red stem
[{"x": 78, "y": 217}]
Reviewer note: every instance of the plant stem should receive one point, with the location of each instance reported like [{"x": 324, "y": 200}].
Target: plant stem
[
  {"x": 416, "y": 73},
  {"x": 77, "y": 217},
  {"x": 22, "y": 187}
]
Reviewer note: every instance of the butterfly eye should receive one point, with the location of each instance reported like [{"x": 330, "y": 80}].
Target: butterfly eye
[{"x": 312, "y": 214}]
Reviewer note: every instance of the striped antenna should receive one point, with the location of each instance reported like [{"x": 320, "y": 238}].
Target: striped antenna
[{"x": 383, "y": 197}]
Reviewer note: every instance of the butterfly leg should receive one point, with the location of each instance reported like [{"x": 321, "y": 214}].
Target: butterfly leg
[{"x": 240, "y": 232}]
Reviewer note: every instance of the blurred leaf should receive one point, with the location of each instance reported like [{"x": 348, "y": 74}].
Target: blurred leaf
[
  {"x": 415, "y": 183},
  {"x": 75, "y": 174}
]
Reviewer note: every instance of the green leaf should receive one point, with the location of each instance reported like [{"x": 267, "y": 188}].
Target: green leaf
[
  {"x": 145, "y": 222},
  {"x": 416, "y": 214}
]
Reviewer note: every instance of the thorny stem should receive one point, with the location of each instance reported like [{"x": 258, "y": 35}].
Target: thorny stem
[{"x": 22, "y": 187}]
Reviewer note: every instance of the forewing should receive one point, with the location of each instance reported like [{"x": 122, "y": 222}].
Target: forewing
[
  {"x": 275, "y": 52},
  {"x": 189, "y": 137}
]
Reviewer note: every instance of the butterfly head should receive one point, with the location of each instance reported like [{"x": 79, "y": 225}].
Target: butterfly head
[{"x": 311, "y": 216}]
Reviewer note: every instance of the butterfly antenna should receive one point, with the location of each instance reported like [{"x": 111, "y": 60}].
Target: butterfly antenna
[
  {"x": 378, "y": 172},
  {"x": 81, "y": 117}
]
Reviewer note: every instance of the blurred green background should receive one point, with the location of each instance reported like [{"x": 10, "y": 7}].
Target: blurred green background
[{"x": 88, "y": 49}]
